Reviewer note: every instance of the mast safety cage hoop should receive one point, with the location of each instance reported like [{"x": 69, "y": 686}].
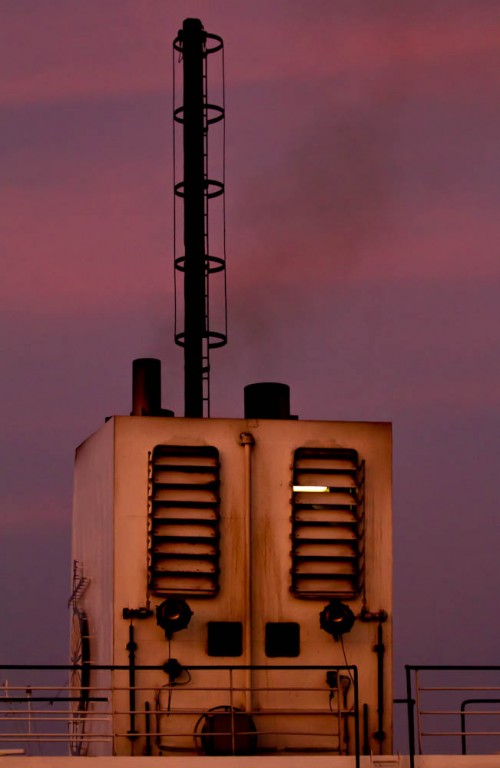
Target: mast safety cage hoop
[
  {"x": 218, "y": 42},
  {"x": 212, "y": 264},
  {"x": 215, "y": 339}
]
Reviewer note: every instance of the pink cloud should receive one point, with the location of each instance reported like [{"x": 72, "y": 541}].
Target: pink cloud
[
  {"x": 70, "y": 244},
  {"x": 100, "y": 50},
  {"x": 83, "y": 51}
]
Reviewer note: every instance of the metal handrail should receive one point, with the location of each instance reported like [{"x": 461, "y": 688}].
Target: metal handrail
[
  {"x": 62, "y": 720},
  {"x": 416, "y": 712},
  {"x": 463, "y": 713}
]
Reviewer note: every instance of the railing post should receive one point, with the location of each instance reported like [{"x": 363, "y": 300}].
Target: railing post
[
  {"x": 356, "y": 717},
  {"x": 131, "y": 648},
  {"x": 231, "y": 711},
  {"x": 149, "y": 748},
  {"x": 411, "y": 724}
]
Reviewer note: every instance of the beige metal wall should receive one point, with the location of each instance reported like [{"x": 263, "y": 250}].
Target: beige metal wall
[
  {"x": 93, "y": 550},
  {"x": 111, "y": 499}
]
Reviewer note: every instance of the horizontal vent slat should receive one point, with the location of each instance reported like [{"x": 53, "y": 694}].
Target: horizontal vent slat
[
  {"x": 186, "y": 486},
  {"x": 184, "y": 504},
  {"x": 184, "y": 521},
  {"x": 324, "y": 576},
  {"x": 325, "y": 471},
  {"x": 158, "y": 555},
  {"x": 183, "y": 574},
  {"x": 327, "y": 558},
  {"x": 192, "y": 539},
  {"x": 187, "y": 468},
  {"x": 303, "y": 505}
]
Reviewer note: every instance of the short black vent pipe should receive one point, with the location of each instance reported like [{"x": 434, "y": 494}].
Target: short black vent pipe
[
  {"x": 267, "y": 400},
  {"x": 146, "y": 388}
]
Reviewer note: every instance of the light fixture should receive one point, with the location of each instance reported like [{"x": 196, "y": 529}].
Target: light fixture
[
  {"x": 336, "y": 618},
  {"x": 173, "y": 615},
  {"x": 310, "y": 489}
]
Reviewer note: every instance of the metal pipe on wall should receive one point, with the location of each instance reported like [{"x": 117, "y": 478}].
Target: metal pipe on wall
[
  {"x": 380, "y": 651},
  {"x": 247, "y": 441}
]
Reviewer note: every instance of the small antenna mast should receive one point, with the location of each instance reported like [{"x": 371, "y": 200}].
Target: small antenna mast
[{"x": 196, "y": 190}]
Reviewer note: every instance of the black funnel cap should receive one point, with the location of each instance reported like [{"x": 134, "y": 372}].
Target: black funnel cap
[{"x": 267, "y": 400}]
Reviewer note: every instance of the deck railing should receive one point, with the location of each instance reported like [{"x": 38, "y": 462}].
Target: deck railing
[
  {"x": 206, "y": 710},
  {"x": 453, "y": 709}
]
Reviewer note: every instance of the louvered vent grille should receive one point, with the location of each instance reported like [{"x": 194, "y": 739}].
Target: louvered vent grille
[
  {"x": 327, "y": 523},
  {"x": 184, "y": 520}
]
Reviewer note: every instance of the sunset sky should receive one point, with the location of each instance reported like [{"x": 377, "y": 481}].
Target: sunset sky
[{"x": 363, "y": 233}]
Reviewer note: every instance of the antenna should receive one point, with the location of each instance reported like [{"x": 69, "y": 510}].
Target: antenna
[{"x": 197, "y": 189}]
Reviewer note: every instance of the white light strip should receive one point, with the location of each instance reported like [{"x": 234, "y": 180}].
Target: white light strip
[{"x": 310, "y": 489}]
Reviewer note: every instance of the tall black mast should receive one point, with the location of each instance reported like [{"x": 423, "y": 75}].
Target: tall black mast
[{"x": 196, "y": 189}]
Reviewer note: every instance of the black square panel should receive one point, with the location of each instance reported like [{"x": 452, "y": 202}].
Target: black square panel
[
  {"x": 225, "y": 638},
  {"x": 282, "y": 638}
]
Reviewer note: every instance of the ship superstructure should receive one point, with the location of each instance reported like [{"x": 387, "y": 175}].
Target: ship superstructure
[{"x": 249, "y": 561}]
